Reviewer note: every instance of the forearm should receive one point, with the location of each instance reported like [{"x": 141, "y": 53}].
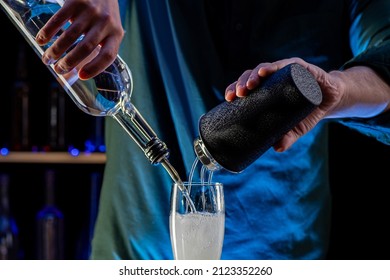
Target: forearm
[{"x": 363, "y": 93}]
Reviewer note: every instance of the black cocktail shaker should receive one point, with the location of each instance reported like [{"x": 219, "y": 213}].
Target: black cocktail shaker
[{"x": 234, "y": 134}]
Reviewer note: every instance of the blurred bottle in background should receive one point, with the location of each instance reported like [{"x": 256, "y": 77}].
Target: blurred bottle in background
[
  {"x": 50, "y": 224},
  {"x": 56, "y": 118},
  {"x": 21, "y": 103},
  {"x": 9, "y": 245}
]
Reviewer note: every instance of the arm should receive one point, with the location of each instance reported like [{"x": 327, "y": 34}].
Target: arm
[
  {"x": 359, "y": 93},
  {"x": 355, "y": 92},
  {"x": 99, "y": 21}
]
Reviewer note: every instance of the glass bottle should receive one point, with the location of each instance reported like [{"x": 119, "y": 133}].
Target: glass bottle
[
  {"x": 107, "y": 94},
  {"x": 56, "y": 124},
  {"x": 8, "y": 227},
  {"x": 84, "y": 242},
  {"x": 50, "y": 224},
  {"x": 21, "y": 103}
]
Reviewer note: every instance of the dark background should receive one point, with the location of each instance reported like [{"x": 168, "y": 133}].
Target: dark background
[
  {"x": 359, "y": 184},
  {"x": 358, "y": 168}
]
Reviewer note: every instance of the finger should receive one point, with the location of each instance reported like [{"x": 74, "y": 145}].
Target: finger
[
  {"x": 247, "y": 81},
  {"x": 286, "y": 141},
  {"x": 241, "y": 89},
  {"x": 63, "y": 43},
  {"x": 230, "y": 92},
  {"x": 254, "y": 79},
  {"x": 299, "y": 130},
  {"x": 105, "y": 58},
  {"x": 53, "y": 26},
  {"x": 270, "y": 68},
  {"x": 80, "y": 52}
]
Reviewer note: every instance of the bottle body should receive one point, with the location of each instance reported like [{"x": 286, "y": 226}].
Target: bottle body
[
  {"x": 9, "y": 247},
  {"x": 234, "y": 134},
  {"x": 56, "y": 116},
  {"x": 21, "y": 116},
  {"x": 99, "y": 96},
  {"x": 50, "y": 224},
  {"x": 50, "y": 234}
]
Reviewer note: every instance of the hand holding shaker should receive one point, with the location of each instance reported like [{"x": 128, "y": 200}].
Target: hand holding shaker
[{"x": 234, "y": 134}]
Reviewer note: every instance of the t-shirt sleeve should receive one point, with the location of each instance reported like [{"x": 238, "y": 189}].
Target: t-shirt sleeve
[{"x": 370, "y": 43}]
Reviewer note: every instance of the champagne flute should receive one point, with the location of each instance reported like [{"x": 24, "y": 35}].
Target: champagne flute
[{"x": 199, "y": 234}]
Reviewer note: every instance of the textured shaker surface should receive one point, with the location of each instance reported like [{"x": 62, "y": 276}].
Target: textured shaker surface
[{"x": 237, "y": 133}]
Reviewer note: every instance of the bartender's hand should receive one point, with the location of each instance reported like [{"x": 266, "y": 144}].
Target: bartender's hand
[
  {"x": 354, "y": 92},
  {"x": 99, "y": 21}
]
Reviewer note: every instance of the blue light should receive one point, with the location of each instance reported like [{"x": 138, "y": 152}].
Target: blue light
[
  {"x": 74, "y": 152},
  {"x": 102, "y": 148},
  {"x": 89, "y": 146},
  {"x": 4, "y": 151}
]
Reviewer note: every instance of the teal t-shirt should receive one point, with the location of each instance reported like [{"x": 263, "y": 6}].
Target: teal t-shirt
[{"x": 183, "y": 54}]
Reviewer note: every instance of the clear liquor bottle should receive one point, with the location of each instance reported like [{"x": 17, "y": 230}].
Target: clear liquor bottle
[{"x": 107, "y": 94}]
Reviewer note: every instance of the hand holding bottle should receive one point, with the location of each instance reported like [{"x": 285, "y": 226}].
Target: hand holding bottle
[
  {"x": 98, "y": 21},
  {"x": 106, "y": 94}
]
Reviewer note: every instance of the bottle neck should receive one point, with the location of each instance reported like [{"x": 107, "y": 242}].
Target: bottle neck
[{"x": 143, "y": 135}]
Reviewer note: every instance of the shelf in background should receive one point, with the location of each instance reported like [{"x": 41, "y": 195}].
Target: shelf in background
[{"x": 53, "y": 157}]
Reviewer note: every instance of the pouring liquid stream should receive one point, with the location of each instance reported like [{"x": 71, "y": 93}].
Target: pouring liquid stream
[
  {"x": 176, "y": 178},
  {"x": 178, "y": 182}
]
